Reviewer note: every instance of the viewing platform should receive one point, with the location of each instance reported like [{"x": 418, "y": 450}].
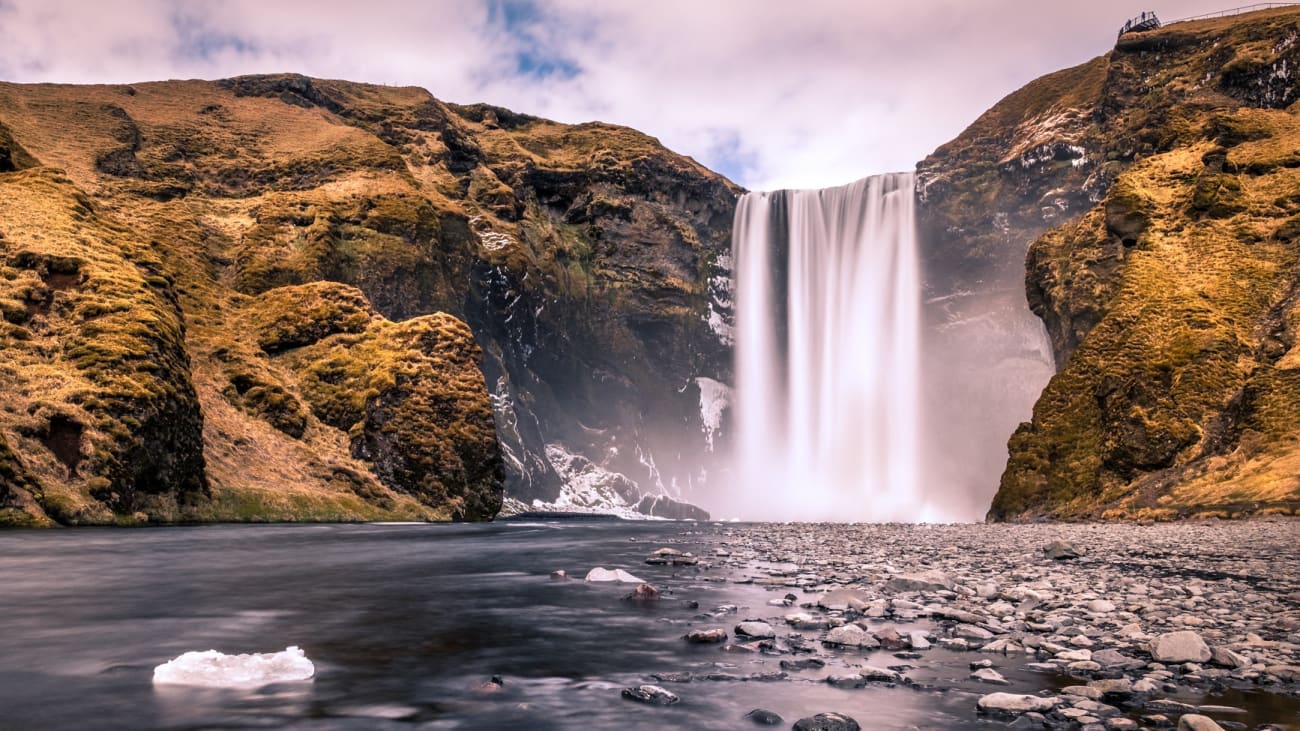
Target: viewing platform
[{"x": 1144, "y": 22}]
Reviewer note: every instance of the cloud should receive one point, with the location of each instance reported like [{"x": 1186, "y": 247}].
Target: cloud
[{"x": 804, "y": 94}]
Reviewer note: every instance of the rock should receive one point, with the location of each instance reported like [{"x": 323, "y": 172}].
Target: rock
[
  {"x": 1082, "y": 691},
  {"x": 1227, "y": 658},
  {"x": 971, "y": 632},
  {"x": 1181, "y": 646},
  {"x": 651, "y": 694},
  {"x": 683, "y": 677},
  {"x": 839, "y": 599},
  {"x": 1061, "y": 550},
  {"x": 889, "y": 639},
  {"x": 757, "y": 630},
  {"x": 1197, "y": 722},
  {"x": 559, "y": 575},
  {"x": 989, "y": 675},
  {"x": 876, "y": 674},
  {"x": 810, "y": 663},
  {"x": 1113, "y": 686},
  {"x": 643, "y": 593},
  {"x": 1010, "y": 704},
  {"x": 764, "y": 717},
  {"x": 918, "y": 640},
  {"x": 827, "y": 722},
  {"x": 851, "y": 635},
  {"x": 847, "y": 682},
  {"x": 1109, "y": 658},
  {"x": 1100, "y": 606},
  {"x": 600, "y": 575},
  {"x": 706, "y": 636},
  {"x": 929, "y": 580}
]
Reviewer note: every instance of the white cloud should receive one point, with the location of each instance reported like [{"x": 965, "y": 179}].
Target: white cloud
[{"x": 776, "y": 94}]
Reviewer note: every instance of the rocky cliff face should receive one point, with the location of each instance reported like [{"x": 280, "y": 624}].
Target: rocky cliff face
[
  {"x": 277, "y": 297},
  {"x": 1169, "y": 302}
]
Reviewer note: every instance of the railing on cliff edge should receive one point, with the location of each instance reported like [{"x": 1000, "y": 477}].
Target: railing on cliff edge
[
  {"x": 1235, "y": 11},
  {"x": 1144, "y": 22}
]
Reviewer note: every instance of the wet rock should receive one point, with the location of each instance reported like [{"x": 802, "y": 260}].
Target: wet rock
[
  {"x": 643, "y": 593},
  {"x": 559, "y": 575},
  {"x": 706, "y": 636},
  {"x": 673, "y": 677},
  {"x": 879, "y": 675},
  {"x": 1010, "y": 704},
  {"x": 1059, "y": 550},
  {"x": 1197, "y": 722},
  {"x": 810, "y": 663},
  {"x": 827, "y": 722},
  {"x": 848, "y": 682},
  {"x": 1181, "y": 646},
  {"x": 651, "y": 694},
  {"x": 757, "y": 630},
  {"x": 989, "y": 675},
  {"x": 764, "y": 717}
]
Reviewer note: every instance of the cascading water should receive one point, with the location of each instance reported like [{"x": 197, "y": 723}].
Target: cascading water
[{"x": 828, "y": 355}]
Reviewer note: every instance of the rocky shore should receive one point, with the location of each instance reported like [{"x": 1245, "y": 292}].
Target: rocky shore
[{"x": 1086, "y": 626}]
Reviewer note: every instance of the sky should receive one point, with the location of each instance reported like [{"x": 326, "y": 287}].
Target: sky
[{"x": 773, "y": 94}]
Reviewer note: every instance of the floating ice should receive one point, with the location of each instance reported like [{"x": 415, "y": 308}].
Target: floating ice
[
  {"x": 601, "y": 574},
  {"x": 218, "y": 670}
]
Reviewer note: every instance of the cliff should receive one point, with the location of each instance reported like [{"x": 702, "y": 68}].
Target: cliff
[
  {"x": 1168, "y": 176},
  {"x": 282, "y": 298}
]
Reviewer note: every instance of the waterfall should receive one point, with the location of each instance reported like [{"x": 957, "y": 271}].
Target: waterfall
[{"x": 828, "y": 355}]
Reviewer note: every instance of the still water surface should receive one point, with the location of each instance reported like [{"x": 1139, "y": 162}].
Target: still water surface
[{"x": 405, "y": 623}]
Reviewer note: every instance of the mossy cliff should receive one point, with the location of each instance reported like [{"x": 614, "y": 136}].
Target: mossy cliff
[
  {"x": 252, "y": 299},
  {"x": 1169, "y": 296}
]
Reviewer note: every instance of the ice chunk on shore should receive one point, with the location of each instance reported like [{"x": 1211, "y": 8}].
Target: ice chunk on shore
[
  {"x": 218, "y": 670},
  {"x": 601, "y": 574}
]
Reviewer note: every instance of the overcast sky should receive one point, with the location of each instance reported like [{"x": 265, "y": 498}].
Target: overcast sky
[{"x": 795, "y": 93}]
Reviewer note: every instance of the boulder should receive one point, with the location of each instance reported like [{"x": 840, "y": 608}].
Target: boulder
[
  {"x": 1197, "y": 722},
  {"x": 1182, "y": 646},
  {"x": 1061, "y": 551},
  {"x": 827, "y": 722},
  {"x": 1014, "y": 704},
  {"x": 929, "y": 580},
  {"x": 851, "y": 635},
  {"x": 757, "y": 630}
]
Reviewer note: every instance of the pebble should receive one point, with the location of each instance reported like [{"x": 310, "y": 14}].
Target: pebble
[{"x": 1134, "y": 614}]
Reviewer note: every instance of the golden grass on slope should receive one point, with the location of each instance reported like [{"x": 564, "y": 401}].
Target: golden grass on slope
[{"x": 1181, "y": 395}]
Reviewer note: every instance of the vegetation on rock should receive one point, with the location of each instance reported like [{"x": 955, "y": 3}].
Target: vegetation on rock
[
  {"x": 224, "y": 300},
  {"x": 1171, "y": 304}
]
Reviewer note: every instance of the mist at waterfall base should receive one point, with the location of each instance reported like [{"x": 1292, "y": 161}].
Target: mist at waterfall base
[
  {"x": 855, "y": 400},
  {"x": 828, "y": 348}
]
